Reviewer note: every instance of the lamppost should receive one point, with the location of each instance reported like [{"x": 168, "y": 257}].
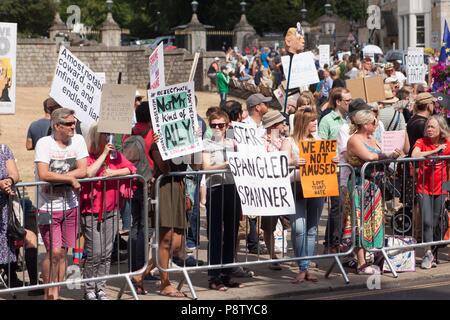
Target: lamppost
[
  {"x": 194, "y": 5},
  {"x": 303, "y": 12},
  {"x": 109, "y": 4},
  {"x": 243, "y": 5},
  {"x": 328, "y": 8}
]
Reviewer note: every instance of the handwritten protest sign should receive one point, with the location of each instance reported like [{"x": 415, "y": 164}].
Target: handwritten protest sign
[
  {"x": 246, "y": 136},
  {"x": 174, "y": 118},
  {"x": 76, "y": 87},
  {"x": 117, "y": 108},
  {"x": 156, "y": 62},
  {"x": 303, "y": 70},
  {"x": 415, "y": 66},
  {"x": 318, "y": 176},
  {"x": 324, "y": 55},
  {"x": 8, "y": 44},
  {"x": 391, "y": 140},
  {"x": 263, "y": 183}
]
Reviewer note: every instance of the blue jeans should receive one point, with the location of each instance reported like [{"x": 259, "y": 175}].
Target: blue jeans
[
  {"x": 223, "y": 98},
  {"x": 193, "y": 186},
  {"x": 136, "y": 242},
  {"x": 125, "y": 214},
  {"x": 304, "y": 228}
]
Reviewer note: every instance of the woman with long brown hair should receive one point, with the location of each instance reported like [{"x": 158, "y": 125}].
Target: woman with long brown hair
[{"x": 305, "y": 221}]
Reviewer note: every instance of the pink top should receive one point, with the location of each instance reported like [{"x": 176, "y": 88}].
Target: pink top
[{"x": 92, "y": 196}]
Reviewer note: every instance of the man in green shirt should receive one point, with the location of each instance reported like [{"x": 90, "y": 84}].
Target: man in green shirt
[
  {"x": 223, "y": 84},
  {"x": 328, "y": 129}
]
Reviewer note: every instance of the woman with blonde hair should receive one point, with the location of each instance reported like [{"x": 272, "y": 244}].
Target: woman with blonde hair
[
  {"x": 362, "y": 147},
  {"x": 305, "y": 221},
  {"x": 431, "y": 175},
  {"x": 100, "y": 202}
]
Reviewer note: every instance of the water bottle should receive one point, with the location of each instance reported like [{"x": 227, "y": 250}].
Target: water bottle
[{"x": 113, "y": 153}]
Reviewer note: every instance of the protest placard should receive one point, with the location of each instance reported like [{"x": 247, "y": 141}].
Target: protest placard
[
  {"x": 415, "y": 66},
  {"x": 8, "y": 44},
  {"x": 117, "y": 108},
  {"x": 174, "y": 118},
  {"x": 370, "y": 89},
  {"x": 263, "y": 183},
  {"x": 75, "y": 86},
  {"x": 318, "y": 176},
  {"x": 391, "y": 140},
  {"x": 303, "y": 70},
  {"x": 156, "y": 63},
  {"x": 324, "y": 55},
  {"x": 246, "y": 137}
]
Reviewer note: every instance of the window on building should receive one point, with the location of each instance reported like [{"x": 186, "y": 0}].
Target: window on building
[{"x": 420, "y": 31}]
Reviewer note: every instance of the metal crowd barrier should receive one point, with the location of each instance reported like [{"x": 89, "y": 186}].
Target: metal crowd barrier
[
  {"x": 397, "y": 181},
  {"x": 243, "y": 257},
  {"x": 108, "y": 232}
]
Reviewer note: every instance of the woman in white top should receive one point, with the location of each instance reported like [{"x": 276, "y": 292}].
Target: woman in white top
[{"x": 305, "y": 221}]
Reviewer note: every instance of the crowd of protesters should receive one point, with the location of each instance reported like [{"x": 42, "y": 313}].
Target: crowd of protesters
[{"x": 324, "y": 111}]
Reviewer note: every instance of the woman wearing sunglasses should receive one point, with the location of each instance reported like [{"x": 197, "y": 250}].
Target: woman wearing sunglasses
[
  {"x": 362, "y": 147},
  {"x": 223, "y": 205}
]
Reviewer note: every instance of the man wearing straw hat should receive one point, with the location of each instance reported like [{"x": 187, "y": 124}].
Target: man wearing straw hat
[{"x": 392, "y": 119}]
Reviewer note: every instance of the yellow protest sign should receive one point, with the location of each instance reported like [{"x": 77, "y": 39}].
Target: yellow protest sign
[{"x": 319, "y": 176}]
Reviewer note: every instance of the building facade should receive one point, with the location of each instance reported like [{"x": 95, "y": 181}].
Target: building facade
[{"x": 421, "y": 22}]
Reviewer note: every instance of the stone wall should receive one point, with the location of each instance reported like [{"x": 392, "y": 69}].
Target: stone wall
[{"x": 36, "y": 62}]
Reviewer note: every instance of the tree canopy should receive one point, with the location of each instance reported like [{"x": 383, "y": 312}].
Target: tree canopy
[{"x": 150, "y": 18}]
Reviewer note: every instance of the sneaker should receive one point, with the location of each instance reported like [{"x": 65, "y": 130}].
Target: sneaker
[
  {"x": 90, "y": 295},
  {"x": 427, "y": 261},
  {"x": 190, "y": 248},
  {"x": 275, "y": 266},
  {"x": 189, "y": 262},
  {"x": 240, "y": 272},
  {"x": 101, "y": 295},
  {"x": 262, "y": 250}
]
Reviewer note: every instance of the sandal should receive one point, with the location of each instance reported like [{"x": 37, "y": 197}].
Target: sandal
[
  {"x": 311, "y": 277},
  {"x": 171, "y": 293},
  {"x": 301, "y": 276},
  {"x": 217, "y": 284},
  {"x": 368, "y": 270},
  {"x": 232, "y": 284},
  {"x": 139, "y": 287}
]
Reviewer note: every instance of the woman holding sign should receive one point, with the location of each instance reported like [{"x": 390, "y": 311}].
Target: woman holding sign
[
  {"x": 305, "y": 221},
  {"x": 362, "y": 147}
]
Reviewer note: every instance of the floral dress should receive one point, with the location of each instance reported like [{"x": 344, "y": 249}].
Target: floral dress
[{"x": 6, "y": 247}]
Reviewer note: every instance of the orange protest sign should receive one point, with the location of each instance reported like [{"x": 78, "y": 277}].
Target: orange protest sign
[{"x": 319, "y": 176}]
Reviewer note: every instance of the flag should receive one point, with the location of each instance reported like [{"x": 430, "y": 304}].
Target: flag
[{"x": 445, "y": 50}]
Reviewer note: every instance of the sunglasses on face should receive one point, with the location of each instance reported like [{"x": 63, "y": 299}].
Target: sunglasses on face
[
  {"x": 217, "y": 125},
  {"x": 68, "y": 124}
]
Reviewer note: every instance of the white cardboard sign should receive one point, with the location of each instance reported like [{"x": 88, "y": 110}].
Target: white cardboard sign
[
  {"x": 8, "y": 46},
  {"x": 324, "y": 55},
  {"x": 415, "y": 66},
  {"x": 303, "y": 70},
  {"x": 77, "y": 87},
  {"x": 263, "y": 182},
  {"x": 156, "y": 63},
  {"x": 174, "y": 119}
]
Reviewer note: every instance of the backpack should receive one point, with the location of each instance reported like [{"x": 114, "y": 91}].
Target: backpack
[{"x": 134, "y": 150}]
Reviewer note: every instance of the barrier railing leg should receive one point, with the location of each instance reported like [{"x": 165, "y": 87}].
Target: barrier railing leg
[
  {"x": 391, "y": 267},
  {"x": 122, "y": 290},
  {"x": 341, "y": 268},
  {"x": 189, "y": 283},
  {"x": 133, "y": 291},
  {"x": 330, "y": 269}
]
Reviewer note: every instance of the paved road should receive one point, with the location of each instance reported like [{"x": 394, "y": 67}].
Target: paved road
[{"x": 422, "y": 290}]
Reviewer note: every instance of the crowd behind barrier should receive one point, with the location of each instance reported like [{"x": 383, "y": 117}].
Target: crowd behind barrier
[{"x": 97, "y": 235}]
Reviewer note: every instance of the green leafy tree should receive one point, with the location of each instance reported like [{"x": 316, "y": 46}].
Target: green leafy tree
[{"x": 33, "y": 17}]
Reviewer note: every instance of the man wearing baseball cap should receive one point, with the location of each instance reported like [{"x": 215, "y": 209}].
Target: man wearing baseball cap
[
  {"x": 424, "y": 108},
  {"x": 257, "y": 108}
]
